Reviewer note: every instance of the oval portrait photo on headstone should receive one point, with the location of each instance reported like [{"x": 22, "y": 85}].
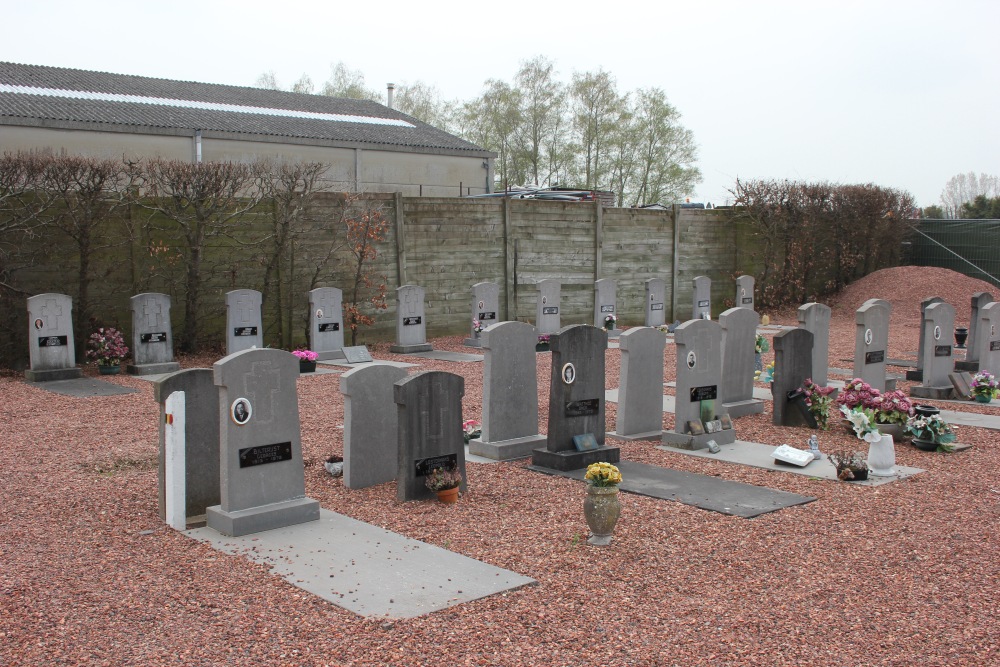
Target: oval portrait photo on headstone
[
  {"x": 482, "y": 305},
  {"x": 240, "y": 411},
  {"x": 319, "y": 313},
  {"x": 868, "y": 336},
  {"x": 39, "y": 323},
  {"x": 692, "y": 359},
  {"x": 568, "y": 374},
  {"x": 937, "y": 333},
  {"x": 545, "y": 299}
]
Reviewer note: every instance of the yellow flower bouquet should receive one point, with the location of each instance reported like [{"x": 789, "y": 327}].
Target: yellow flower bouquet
[{"x": 603, "y": 474}]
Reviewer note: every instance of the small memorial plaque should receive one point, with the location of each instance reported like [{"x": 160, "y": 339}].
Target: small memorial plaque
[
  {"x": 792, "y": 456},
  {"x": 607, "y": 309},
  {"x": 695, "y": 428},
  {"x": 262, "y": 454},
  {"x": 942, "y": 350},
  {"x": 424, "y": 467},
  {"x": 727, "y": 422},
  {"x": 748, "y": 299},
  {"x": 410, "y": 321},
  {"x": 155, "y": 337},
  {"x": 703, "y": 304},
  {"x": 52, "y": 341},
  {"x": 550, "y": 310},
  {"x": 329, "y": 326},
  {"x": 357, "y": 354},
  {"x": 488, "y": 316},
  {"x": 245, "y": 331},
  {"x": 708, "y": 393},
  {"x": 585, "y": 442},
  {"x": 994, "y": 345},
  {"x": 876, "y": 357},
  {"x": 656, "y": 306},
  {"x": 584, "y": 408}
]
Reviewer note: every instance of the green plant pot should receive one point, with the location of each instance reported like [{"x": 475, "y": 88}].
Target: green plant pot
[
  {"x": 109, "y": 370},
  {"x": 307, "y": 366},
  {"x": 925, "y": 445},
  {"x": 542, "y": 347},
  {"x": 983, "y": 399}
]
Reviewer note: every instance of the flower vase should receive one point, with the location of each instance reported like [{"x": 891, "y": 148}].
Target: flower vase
[
  {"x": 882, "y": 457},
  {"x": 981, "y": 398},
  {"x": 601, "y": 508},
  {"x": 307, "y": 366},
  {"x": 109, "y": 370}
]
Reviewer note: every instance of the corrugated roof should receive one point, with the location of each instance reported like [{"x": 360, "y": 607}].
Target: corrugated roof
[{"x": 54, "y": 103}]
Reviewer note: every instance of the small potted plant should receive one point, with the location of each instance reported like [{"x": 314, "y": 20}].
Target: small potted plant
[
  {"x": 471, "y": 429},
  {"x": 890, "y": 410},
  {"x": 984, "y": 387},
  {"x": 444, "y": 482},
  {"x": 931, "y": 433},
  {"x": 609, "y": 322},
  {"x": 601, "y": 507},
  {"x": 851, "y": 466},
  {"x": 543, "y": 343},
  {"x": 107, "y": 348},
  {"x": 819, "y": 399},
  {"x": 477, "y": 327},
  {"x": 307, "y": 360}
]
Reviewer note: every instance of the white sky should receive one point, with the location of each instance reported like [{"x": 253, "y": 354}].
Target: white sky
[{"x": 904, "y": 94}]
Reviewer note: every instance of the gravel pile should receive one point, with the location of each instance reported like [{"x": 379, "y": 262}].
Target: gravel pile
[{"x": 903, "y": 574}]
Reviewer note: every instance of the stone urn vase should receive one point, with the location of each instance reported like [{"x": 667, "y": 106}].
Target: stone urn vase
[
  {"x": 980, "y": 398},
  {"x": 961, "y": 335},
  {"x": 601, "y": 508},
  {"x": 882, "y": 457}
]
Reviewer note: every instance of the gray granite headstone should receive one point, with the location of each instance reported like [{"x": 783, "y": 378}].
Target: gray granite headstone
[
  {"x": 51, "y": 346},
  {"x": 871, "y": 342},
  {"x": 547, "y": 311},
  {"x": 971, "y": 362},
  {"x": 262, "y": 478},
  {"x": 655, "y": 300},
  {"x": 917, "y": 374},
  {"x": 510, "y": 393},
  {"x": 939, "y": 328},
  {"x": 988, "y": 341},
  {"x": 744, "y": 292},
  {"x": 815, "y": 318},
  {"x": 152, "y": 336},
  {"x": 699, "y": 379},
  {"x": 576, "y": 400},
  {"x": 201, "y": 438},
  {"x": 429, "y": 414},
  {"x": 640, "y": 395},
  {"x": 370, "y": 437},
  {"x": 326, "y": 323},
  {"x": 739, "y": 331},
  {"x": 411, "y": 324},
  {"x": 701, "y": 298},
  {"x": 244, "y": 327},
  {"x": 605, "y": 304},
  {"x": 485, "y": 310},
  {"x": 792, "y": 365}
]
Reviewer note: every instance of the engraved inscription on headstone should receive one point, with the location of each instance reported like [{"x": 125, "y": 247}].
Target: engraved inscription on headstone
[
  {"x": 153, "y": 337},
  {"x": 263, "y": 454},
  {"x": 357, "y": 354},
  {"x": 411, "y": 321},
  {"x": 876, "y": 357},
  {"x": 582, "y": 408},
  {"x": 245, "y": 331},
  {"x": 707, "y": 393},
  {"x": 424, "y": 467},
  {"x": 328, "y": 327},
  {"x": 942, "y": 350},
  {"x": 550, "y": 310}
]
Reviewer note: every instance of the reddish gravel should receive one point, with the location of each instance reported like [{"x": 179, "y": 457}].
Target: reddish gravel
[{"x": 903, "y": 574}]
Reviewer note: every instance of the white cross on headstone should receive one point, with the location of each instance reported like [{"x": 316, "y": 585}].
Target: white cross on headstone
[
  {"x": 244, "y": 309},
  {"x": 262, "y": 375},
  {"x": 152, "y": 311},
  {"x": 410, "y": 302},
  {"x": 51, "y": 314}
]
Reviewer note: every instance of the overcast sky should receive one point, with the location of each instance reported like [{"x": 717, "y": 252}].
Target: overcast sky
[{"x": 901, "y": 94}]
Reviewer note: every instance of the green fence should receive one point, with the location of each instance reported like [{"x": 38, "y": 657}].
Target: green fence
[{"x": 971, "y": 247}]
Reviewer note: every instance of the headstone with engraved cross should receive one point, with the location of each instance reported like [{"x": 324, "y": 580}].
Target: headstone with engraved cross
[
  {"x": 244, "y": 328},
  {"x": 429, "y": 412},
  {"x": 152, "y": 336},
  {"x": 739, "y": 327},
  {"x": 485, "y": 310},
  {"x": 701, "y": 298},
  {"x": 51, "y": 347},
  {"x": 326, "y": 323},
  {"x": 917, "y": 374},
  {"x": 655, "y": 315},
  {"x": 640, "y": 394},
  {"x": 939, "y": 326},
  {"x": 871, "y": 342},
  {"x": 411, "y": 325},
  {"x": 744, "y": 292},
  {"x": 262, "y": 478},
  {"x": 971, "y": 362},
  {"x": 547, "y": 312}
]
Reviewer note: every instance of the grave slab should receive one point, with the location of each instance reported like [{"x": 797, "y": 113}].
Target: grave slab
[
  {"x": 641, "y": 384},
  {"x": 703, "y": 491},
  {"x": 745, "y": 292},
  {"x": 326, "y": 322},
  {"x": 367, "y": 570},
  {"x": 152, "y": 335},
  {"x": 736, "y": 389},
  {"x": 411, "y": 323},
  {"x": 84, "y": 387},
  {"x": 547, "y": 315},
  {"x": 447, "y": 355},
  {"x": 655, "y": 315},
  {"x": 51, "y": 346},
  {"x": 370, "y": 439},
  {"x": 374, "y": 362},
  {"x": 701, "y": 298},
  {"x": 485, "y": 310},
  {"x": 244, "y": 326}
]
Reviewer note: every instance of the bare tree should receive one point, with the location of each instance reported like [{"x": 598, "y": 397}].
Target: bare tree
[{"x": 963, "y": 188}]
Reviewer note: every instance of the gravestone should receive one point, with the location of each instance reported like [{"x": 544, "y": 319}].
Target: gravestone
[
  {"x": 244, "y": 327},
  {"x": 51, "y": 347},
  {"x": 744, "y": 292},
  {"x": 701, "y": 299},
  {"x": 699, "y": 375},
  {"x": 793, "y": 365},
  {"x": 262, "y": 478},
  {"x": 971, "y": 362},
  {"x": 605, "y": 304},
  {"x": 939, "y": 327},
  {"x": 370, "y": 427},
  {"x": 917, "y": 374},
  {"x": 655, "y": 298},
  {"x": 429, "y": 414},
  {"x": 411, "y": 325},
  {"x": 326, "y": 323},
  {"x": 815, "y": 318},
  {"x": 739, "y": 331},
  {"x": 640, "y": 395},
  {"x": 988, "y": 341},
  {"x": 510, "y": 393},
  {"x": 871, "y": 342},
  {"x": 152, "y": 336},
  {"x": 485, "y": 310},
  {"x": 576, "y": 400},
  {"x": 547, "y": 310},
  {"x": 201, "y": 438}
]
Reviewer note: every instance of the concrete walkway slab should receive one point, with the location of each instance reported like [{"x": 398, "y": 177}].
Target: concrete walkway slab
[
  {"x": 447, "y": 355},
  {"x": 321, "y": 370},
  {"x": 703, "y": 491},
  {"x": 365, "y": 569},
  {"x": 343, "y": 364},
  {"x": 85, "y": 387}
]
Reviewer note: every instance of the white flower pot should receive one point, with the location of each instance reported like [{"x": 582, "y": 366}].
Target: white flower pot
[{"x": 882, "y": 457}]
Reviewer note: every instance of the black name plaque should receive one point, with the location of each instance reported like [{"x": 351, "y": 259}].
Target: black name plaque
[
  {"x": 707, "y": 393},
  {"x": 876, "y": 357},
  {"x": 583, "y": 408},
  {"x": 264, "y": 454}
]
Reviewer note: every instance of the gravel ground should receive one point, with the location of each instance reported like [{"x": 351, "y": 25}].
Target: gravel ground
[{"x": 903, "y": 574}]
